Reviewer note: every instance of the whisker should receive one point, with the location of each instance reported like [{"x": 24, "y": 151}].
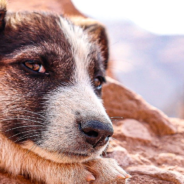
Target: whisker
[
  {"x": 21, "y": 133},
  {"x": 24, "y": 137},
  {"x": 32, "y": 148},
  {"x": 114, "y": 139},
  {"x": 112, "y": 44},
  {"x": 26, "y": 116},
  {"x": 30, "y": 112},
  {"x": 36, "y": 118},
  {"x": 117, "y": 117},
  {"x": 24, "y": 127},
  {"x": 22, "y": 119}
]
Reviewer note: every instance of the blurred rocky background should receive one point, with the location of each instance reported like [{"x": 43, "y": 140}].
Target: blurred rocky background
[
  {"x": 148, "y": 54},
  {"x": 149, "y": 64}
]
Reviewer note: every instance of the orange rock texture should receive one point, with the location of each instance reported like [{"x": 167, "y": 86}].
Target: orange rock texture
[{"x": 146, "y": 143}]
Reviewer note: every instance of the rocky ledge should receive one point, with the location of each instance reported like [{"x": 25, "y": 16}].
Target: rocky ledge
[{"x": 146, "y": 143}]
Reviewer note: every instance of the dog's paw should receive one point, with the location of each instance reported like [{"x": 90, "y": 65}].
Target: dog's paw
[
  {"x": 107, "y": 171},
  {"x": 70, "y": 174}
]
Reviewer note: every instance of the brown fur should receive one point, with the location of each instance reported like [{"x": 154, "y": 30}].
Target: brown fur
[
  {"x": 38, "y": 169},
  {"x": 14, "y": 159},
  {"x": 23, "y": 162}
]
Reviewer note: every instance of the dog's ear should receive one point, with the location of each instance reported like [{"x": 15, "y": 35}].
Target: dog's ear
[
  {"x": 3, "y": 4},
  {"x": 97, "y": 34}
]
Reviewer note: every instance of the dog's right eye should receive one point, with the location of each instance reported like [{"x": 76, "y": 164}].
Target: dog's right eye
[
  {"x": 98, "y": 81},
  {"x": 35, "y": 66}
]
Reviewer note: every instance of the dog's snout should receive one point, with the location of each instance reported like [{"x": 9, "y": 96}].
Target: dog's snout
[{"x": 96, "y": 133}]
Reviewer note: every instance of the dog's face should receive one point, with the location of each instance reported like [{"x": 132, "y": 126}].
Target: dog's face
[{"x": 51, "y": 75}]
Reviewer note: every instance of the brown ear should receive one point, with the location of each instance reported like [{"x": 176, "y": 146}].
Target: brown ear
[
  {"x": 3, "y": 4},
  {"x": 97, "y": 33}
]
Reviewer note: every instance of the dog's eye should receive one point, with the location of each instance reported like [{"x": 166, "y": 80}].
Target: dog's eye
[
  {"x": 35, "y": 66},
  {"x": 98, "y": 81}
]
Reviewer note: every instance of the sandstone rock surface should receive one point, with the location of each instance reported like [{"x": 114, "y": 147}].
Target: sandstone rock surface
[
  {"x": 121, "y": 102},
  {"x": 146, "y": 143}
]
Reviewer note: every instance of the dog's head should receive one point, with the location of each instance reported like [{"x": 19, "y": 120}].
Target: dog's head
[{"x": 51, "y": 75}]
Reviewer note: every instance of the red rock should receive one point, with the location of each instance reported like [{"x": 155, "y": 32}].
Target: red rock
[
  {"x": 151, "y": 159},
  {"x": 134, "y": 129},
  {"x": 121, "y": 155},
  {"x": 169, "y": 159},
  {"x": 159, "y": 174},
  {"x": 121, "y": 102}
]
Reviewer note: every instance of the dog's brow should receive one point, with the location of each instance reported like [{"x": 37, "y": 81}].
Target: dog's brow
[
  {"x": 19, "y": 52},
  {"x": 34, "y": 51}
]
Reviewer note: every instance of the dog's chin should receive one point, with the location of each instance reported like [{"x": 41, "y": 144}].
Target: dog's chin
[{"x": 62, "y": 157}]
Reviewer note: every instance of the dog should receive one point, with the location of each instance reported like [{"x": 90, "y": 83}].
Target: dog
[{"x": 54, "y": 128}]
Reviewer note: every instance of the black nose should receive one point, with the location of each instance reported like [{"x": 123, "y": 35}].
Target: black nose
[{"x": 96, "y": 133}]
